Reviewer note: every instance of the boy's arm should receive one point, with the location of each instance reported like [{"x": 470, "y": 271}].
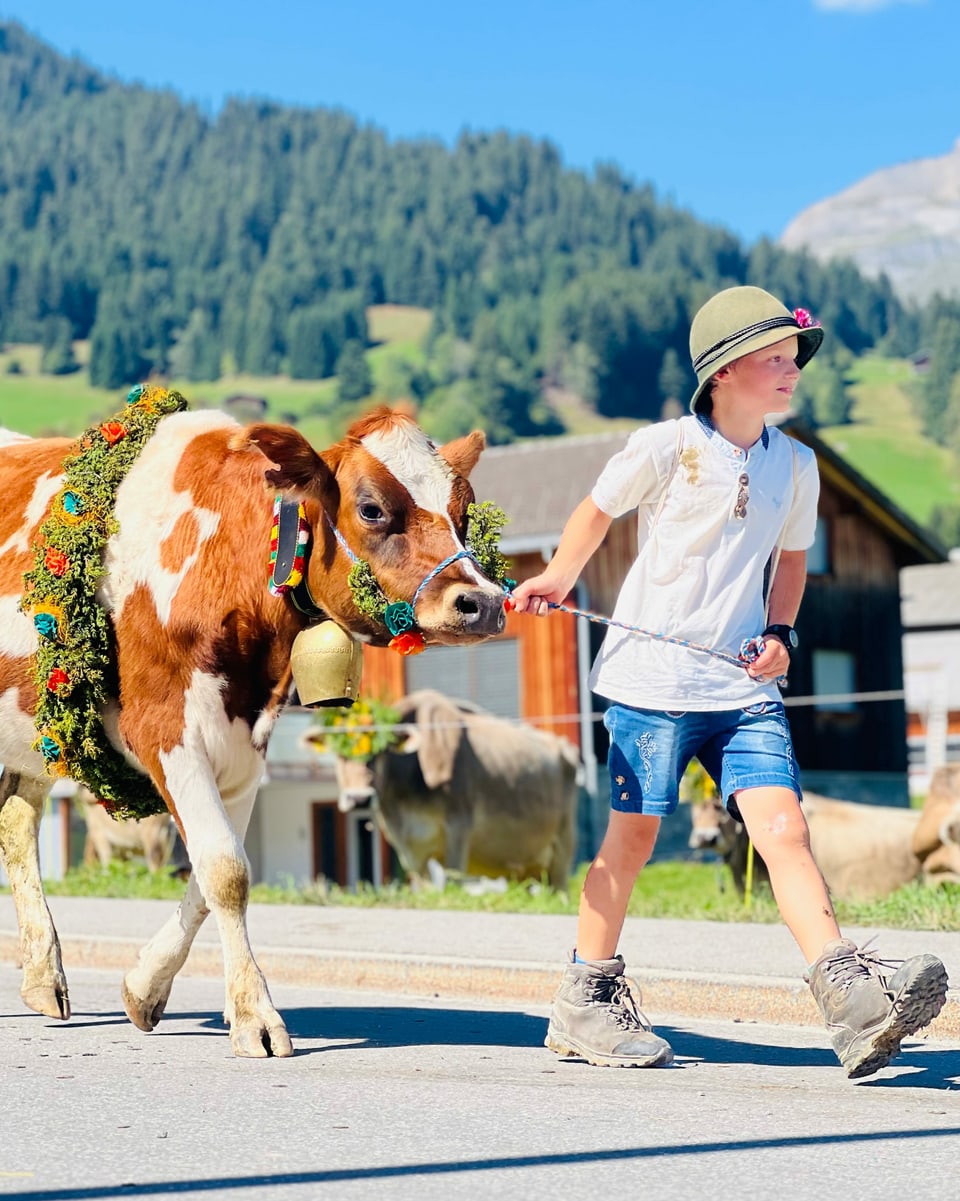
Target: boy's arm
[
  {"x": 585, "y": 530},
  {"x": 788, "y": 585},
  {"x": 785, "y": 597}
]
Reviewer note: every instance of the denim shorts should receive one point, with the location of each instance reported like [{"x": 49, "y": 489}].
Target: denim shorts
[{"x": 739, "y": 748}]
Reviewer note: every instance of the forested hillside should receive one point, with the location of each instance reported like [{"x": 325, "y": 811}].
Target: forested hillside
[{"x": 255, "y": 241}]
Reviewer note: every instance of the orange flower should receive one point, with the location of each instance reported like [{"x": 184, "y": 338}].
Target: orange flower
[
  {"x": 55, "y": 561},
  {"x": 113, "y": 431},
  {"x": 408, "y": 643}
]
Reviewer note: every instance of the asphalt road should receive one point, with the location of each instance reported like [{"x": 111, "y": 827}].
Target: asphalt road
[{"x": 401, "y": 1097}]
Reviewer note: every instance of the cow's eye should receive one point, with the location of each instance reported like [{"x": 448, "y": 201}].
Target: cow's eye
[{"x": 371, "y": 512}]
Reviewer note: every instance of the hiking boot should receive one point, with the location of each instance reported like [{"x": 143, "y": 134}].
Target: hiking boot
[
  {"x": 870, "y": 1004},
  {"x": 596, "y": 1018}
]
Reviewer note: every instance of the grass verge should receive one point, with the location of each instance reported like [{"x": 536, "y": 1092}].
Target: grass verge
[{"x": 668, "y": 889}]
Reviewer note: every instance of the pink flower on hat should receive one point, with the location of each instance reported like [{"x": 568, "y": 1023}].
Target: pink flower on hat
[{"x": 805, "y": 320}]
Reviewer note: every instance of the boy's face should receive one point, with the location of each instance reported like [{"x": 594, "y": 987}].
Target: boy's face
[{"x": 763, "y": 380}]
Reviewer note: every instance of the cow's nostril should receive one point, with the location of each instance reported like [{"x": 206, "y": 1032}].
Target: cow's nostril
[{"x": 467, "y": 605}]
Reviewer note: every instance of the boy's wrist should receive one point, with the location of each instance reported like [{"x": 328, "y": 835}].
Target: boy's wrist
[{"x": 785, "y": 633}]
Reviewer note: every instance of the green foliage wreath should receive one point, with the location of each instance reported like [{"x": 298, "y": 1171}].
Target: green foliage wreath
[{"x": 76, "y": 647}]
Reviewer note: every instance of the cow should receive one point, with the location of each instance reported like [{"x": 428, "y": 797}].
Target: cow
[
  {"x": 477, "y": 793},
  {"x": 200, "y": 666},
  {"x": 863, "y": 851},
  {"x": 108, "y": 838},
  {"x": 936, "y": 839}
]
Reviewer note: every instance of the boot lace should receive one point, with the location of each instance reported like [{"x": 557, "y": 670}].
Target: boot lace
[
  {"x": 617, "y": 993},
  {"x": 859, "y": 963}
]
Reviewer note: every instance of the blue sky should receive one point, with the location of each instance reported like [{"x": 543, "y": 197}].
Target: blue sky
[{"x": 744, "y": 112}]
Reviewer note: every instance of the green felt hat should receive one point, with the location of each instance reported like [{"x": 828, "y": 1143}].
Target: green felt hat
[{"x": 738, "y": 321}]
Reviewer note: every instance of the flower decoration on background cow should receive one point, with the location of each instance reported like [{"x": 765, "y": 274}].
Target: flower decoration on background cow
[
  {"x": 145, "y": 654},
  {"x": 361, "y": 732}
]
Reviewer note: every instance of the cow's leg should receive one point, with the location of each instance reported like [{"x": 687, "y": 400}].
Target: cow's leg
[
  {"x": 561, "y": 854},
  {"x": 146, "y": 988},
  {"x": 44, "y": 986},
  {"x": 458, "y": 843},
  {"x": 219, "y": 883}
]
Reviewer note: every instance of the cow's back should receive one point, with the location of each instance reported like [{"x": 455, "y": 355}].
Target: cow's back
[{"x": 862, "y": 850}]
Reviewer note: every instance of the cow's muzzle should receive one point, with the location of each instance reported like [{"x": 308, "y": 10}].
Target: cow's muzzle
[
  {"x": 354, "y": 798},
  {"x": 481, "y": 612}
]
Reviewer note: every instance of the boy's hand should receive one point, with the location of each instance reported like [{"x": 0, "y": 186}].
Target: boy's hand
[
  {"x": 773, "y": 663},
  {"x": 538, "y": 593}
]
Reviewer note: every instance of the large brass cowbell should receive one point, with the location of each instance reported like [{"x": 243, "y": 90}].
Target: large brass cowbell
[{"x": 326, "y": 663}]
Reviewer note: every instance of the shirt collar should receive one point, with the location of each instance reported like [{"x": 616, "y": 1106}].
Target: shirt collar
[{"x": 710, "y": 430}]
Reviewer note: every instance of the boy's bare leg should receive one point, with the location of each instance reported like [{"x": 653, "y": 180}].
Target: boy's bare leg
[
  {"x": 779, "y": 833},
  {"x": 626, "y": 847}
]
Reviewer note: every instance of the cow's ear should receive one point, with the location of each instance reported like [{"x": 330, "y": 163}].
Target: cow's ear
[
  {"x": 462, "y": 453},
  {"x": 440, "y": 726},
  {"x": 298, "y": 470}
]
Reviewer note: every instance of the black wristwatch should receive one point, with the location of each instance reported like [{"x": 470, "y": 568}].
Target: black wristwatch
[{"x": 786, "y": 634}]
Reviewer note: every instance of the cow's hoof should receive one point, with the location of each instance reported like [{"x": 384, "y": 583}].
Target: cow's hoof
[
  {"x": 144, "y": 1014},
  {"x": 256, "y": 1041},
  {"x": 49, "y": 999}
]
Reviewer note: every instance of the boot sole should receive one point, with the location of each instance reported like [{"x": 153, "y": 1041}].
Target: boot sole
[
  {"x": 566, "y": 1048},
  {"x": 918, "y": 1004}
]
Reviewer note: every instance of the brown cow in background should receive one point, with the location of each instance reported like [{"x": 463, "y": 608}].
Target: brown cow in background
[
  {"x": 936, "y": 840},
  {"x": 863, "y": 851},
  {"x": 476, "y": 793},
  {"x": 108, "y": 839}
]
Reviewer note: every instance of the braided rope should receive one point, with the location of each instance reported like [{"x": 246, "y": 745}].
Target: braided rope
[{"x": 750, "y": 649}]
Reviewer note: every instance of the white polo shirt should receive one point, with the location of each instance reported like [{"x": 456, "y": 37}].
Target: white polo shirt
[{"x": 698, "y": 575}]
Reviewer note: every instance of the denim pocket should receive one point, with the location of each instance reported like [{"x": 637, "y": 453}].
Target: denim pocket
[{"x": 761, "y": 709}]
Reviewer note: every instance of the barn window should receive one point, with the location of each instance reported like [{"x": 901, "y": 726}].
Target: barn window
[
  {"x": 488, "y": 675},
  {"x": 818, "y": 555},
  {"x": 834, "y": 678}
]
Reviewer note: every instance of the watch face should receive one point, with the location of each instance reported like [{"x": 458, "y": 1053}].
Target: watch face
[{"x": 793, "y": 639}]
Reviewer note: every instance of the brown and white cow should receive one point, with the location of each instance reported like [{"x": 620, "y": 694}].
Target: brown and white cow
[
  {"x": 203, "y": 648},
  {"x": 472, "y": 791}
]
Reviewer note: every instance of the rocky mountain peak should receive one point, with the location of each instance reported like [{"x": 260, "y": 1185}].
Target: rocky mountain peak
[{"x": 903, "y": 221}]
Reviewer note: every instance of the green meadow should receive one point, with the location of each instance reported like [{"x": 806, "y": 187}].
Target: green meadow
[
  {"x": 47, "y": 404},
  {"x": 885, "y": 442}
]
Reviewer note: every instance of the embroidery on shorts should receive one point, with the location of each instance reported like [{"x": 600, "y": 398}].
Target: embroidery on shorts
[{"x": 647, "y": 746}]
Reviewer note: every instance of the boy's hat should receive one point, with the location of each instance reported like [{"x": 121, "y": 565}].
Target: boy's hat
[{"x": 738, "y": 321}]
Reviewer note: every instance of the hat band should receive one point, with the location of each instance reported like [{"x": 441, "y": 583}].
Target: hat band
[{"x": 742, "y": 335}]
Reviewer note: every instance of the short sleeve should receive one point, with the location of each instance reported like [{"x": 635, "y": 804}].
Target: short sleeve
[
  {"x": 636, "y": 474},
  {"x": 800, "y": 527}
]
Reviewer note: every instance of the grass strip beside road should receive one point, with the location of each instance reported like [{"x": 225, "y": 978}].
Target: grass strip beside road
[{"x": 669, "y": 889}]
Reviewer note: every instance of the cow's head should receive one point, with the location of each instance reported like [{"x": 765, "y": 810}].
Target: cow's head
[
  {"x": 399, "y": 504},
  {"x": 711, "y": 827},
  {"x": 432, "y": 729}
]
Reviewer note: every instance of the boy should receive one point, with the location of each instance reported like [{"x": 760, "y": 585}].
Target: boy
[{"x": 719, "y": 497}]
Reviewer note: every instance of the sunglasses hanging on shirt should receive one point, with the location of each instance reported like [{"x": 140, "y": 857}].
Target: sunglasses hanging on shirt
[{"x": 743, "y": 495}]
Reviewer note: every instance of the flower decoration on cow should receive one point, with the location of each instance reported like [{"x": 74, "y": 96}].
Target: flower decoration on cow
[
  {"x": 368, "y": 728},
  {"x": 74, "y": 633}
]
